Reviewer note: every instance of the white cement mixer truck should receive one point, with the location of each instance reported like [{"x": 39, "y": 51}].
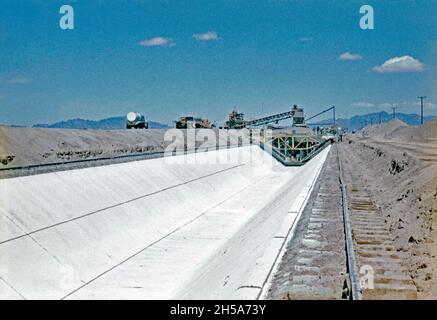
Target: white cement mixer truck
[{"x": 136, "y": 120}]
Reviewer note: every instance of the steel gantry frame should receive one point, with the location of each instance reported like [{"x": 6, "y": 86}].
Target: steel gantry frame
[
  {"x": 319, "y": 114},
  {"x": 293, "y": 149}
]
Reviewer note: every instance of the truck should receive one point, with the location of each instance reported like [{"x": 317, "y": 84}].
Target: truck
[
  {"x": 136, "y": 120},
  {"x": 189, "y": 122}
]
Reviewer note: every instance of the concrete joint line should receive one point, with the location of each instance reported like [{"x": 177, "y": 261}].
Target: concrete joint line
[
  {"x": 118, "y": 204},
  {"x": 12, "y": 288},
  {"x": 154, "y": 243}
]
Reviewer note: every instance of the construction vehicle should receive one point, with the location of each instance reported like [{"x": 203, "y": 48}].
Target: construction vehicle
[
  {"x": 236, "y": 120},
  {"x": 189, "y": 122},
  {"x": 136, "y": 120}
]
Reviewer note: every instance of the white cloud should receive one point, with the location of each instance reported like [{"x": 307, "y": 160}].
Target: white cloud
[
  {"x": 207, "y": 36},
  {"x": 400, "y": 64},
  {"x": 363, "y": 105},
  {"x": 18, "y": 80},
  {"x": 430, "y": 105},
  {"x": 406, "y": 105},
  {"x": 388, "y": 105},
  {"x": 347, "y": 56},
  {"x": 306, "y": 39},
  {"x": 158, "y": 42},
  {"x": 14, "y": 80},
  {"x": 416, "y": 104}
]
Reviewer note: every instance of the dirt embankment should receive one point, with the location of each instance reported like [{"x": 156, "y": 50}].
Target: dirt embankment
[
  {"x": 384, "y": 130},
  {"x": 400, "y": 131},
  {"x": 403, "y": 180},
  {"x": 26, "y": 146},
  {"x": 40, "y": 145}
]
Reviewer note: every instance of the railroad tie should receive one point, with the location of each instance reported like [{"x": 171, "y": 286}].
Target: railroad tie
[{"x": 374, "y": 247}]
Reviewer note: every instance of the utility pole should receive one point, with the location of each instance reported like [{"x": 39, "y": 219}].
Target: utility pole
[
  {"x": 380, "y": 117},
  {"x": 334, "y": 115},
  {"x": 421, "y": 107},
  {"x": 394, "y": 112}
]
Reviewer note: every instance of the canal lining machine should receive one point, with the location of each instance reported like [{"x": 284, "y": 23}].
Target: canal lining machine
[{"x": 292, "y": 146}]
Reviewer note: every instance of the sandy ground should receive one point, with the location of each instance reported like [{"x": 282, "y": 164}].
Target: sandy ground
[
  {"x": 401, "y": 163},
  {"x": 25, "y": 146}
]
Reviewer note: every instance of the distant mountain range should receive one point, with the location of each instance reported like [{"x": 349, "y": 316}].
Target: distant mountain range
[
  {"x": 107, "y": 124},
  {"x": 354, "y": 123},
  {"x": 360, "y": 121}
]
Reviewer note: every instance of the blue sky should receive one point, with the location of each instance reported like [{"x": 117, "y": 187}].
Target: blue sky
[{"x": 173, "y": 58}]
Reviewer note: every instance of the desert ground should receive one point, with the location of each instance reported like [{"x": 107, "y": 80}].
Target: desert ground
[{"x": 398, "y": 162}]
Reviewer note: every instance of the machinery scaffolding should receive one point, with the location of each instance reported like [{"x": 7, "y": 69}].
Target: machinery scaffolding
[{"x": 293, "y": 149}]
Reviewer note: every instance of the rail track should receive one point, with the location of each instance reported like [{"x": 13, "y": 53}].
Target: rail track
[
  {"x": 383, "y": 271},
  {"x": 342, "y": 248}
]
